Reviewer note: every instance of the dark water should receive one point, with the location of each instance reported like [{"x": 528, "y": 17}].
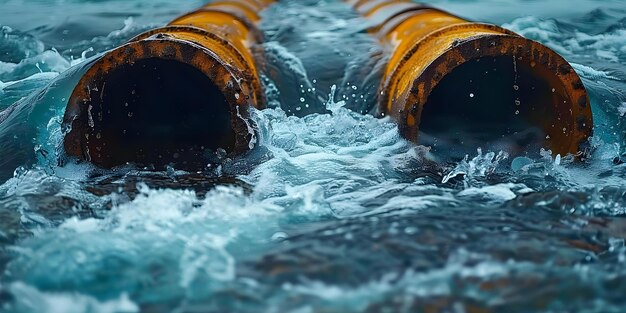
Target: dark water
[{"x": 333, "y": 211}]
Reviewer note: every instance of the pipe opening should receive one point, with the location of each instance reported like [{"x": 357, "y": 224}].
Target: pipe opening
[
  {"x": 496, "y": 103},
  {"x": 157, "y": 112}
]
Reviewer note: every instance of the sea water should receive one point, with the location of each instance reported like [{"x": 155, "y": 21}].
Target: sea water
[{"x": 332, "y": 211}]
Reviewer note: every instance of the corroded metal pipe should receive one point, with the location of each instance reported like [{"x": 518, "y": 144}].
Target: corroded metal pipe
[
  {"x": 172, "y": 94},
  {"x": 446, "y": 75}
]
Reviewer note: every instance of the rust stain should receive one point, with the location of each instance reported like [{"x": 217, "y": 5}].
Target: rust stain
[
  {"x": 427, "y": 44},
  {"x": 214, "y": 39}
]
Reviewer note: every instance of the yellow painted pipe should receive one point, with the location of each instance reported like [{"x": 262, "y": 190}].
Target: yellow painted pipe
[
  {"x": 437, "y": 60},
  {"x": 172, "y": 94}
]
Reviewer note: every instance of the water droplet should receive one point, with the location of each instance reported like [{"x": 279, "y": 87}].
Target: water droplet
[
  {"x": 130, "y": 114},
  {"x": 237, "y": 96},
  {"x": 471, "y": 95},
  {"x": 301, "y": 99},
  {"x": 557, "y": 160},
  {"x": 516, "y": 112},
  {"x": 517, "y": 102},
  {"x": 20, "y": 171},
  {"x": 516, "y": 87},
  {"x": 354, "y": 88}
]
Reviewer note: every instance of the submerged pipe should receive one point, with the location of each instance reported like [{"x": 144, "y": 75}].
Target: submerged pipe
[
  {"x": 471, "y": 81},
  {"x": 172, "y": 94}
]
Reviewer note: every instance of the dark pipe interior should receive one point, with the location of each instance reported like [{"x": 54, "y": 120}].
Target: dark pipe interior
[
  {"x": 494, "y": 103},
  {"x": 158, "y": 112}
]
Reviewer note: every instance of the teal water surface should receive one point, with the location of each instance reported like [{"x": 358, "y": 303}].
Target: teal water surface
[{"x": 332, "y": 211}]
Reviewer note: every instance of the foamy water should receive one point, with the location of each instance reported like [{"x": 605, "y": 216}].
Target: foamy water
[{"x": 332, "y": 211}]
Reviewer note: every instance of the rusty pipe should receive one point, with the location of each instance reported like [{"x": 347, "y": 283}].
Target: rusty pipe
[
  {"x": 448, "y": 75},
  {"x": 172, "y": 94}
]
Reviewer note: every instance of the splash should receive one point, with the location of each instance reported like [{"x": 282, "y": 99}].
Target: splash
[
  {"x": 331, "y": 210},
  {"x": 479, "y": 166}
]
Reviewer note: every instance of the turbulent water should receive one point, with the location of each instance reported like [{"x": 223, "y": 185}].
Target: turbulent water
[{"x": 332, "y": 211}]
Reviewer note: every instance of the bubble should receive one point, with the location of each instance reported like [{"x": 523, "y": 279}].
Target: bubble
[{"x": 520, "y": 162}]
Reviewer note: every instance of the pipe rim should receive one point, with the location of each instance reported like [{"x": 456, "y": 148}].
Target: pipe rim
[
  {"x": 408, "y": 106},
  {"x": 229, "y": 80},
  {"x": 223, "y": 43}
]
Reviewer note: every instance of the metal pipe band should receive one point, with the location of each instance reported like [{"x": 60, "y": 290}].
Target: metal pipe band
[
  {"x": 173, "y": 94},
  {"x": 475, "y": 82}
]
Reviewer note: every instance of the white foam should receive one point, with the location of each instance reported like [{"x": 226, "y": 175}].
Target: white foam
[
  {"x": 31, "y": 300},
  {"x": 591, "y": 73},
  {"x": 622, "y": 109},
  {"x": 495, "y": 194},
  {"x": 609, "y": 46},
  {"x": 36, "y": 76}
]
